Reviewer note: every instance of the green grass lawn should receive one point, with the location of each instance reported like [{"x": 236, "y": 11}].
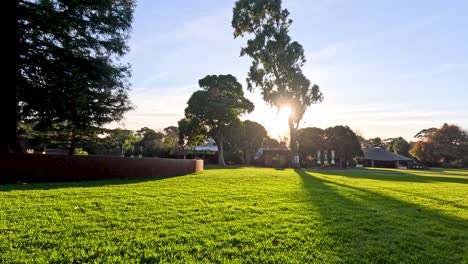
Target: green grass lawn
[{"x": 243, "y": 215}]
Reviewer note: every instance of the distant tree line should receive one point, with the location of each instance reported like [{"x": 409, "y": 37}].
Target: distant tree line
[
  {"x": 144, "y": 142},
  {"x": 446, "y": 146},
  {"x": 397, "y": 145},
  {"x": 341, "y": 139}
]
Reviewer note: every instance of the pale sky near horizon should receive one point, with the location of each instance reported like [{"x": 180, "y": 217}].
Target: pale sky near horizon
[{"x": 386, "y": 68}]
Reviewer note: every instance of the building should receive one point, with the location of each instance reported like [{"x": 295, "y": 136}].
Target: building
[
  {"x": 274, "y": 157},
  {"x": 382, "y": 158},
  {"x": 209, "y": 147}
]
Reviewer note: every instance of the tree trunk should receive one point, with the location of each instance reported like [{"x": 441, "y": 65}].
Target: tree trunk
[
  {"x": 248, "y": 157},
  {"x": 220, "y": 153},
  {"x": 73, "y": 143},
  {"x": 243, "y": 160},
  {"x": 9, "y": 142},
  {"x": 293, "y": 143}
]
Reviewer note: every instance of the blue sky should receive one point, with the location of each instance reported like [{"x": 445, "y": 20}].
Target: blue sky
[{"x": 386, "y": 68}]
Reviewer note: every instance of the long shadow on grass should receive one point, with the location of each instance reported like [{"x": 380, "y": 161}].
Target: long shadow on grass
[
  {"x": 459, "y": 172},
  {"x": 431, "y": 198},
  {"x": 78, "y": 184},
  {"x": 389, "y": 175},
  {"x": 369, "y": 227}
]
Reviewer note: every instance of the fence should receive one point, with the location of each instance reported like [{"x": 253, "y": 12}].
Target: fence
[{"x": 44, "y": 168}]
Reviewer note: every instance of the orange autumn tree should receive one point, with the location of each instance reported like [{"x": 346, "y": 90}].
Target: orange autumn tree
[{"x": 444, "y": 145}]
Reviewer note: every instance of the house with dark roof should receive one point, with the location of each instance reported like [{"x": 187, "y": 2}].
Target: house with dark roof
[{"x": 382, "y": 158}]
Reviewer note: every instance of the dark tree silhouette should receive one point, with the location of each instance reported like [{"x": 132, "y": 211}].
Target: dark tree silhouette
[
  {"x": 10, "y": 72},
  {"x": 212, "y": 109},
  {"x": 276, "y": 61},
  {"x": 66, "y": 63},
  {"x": 247, "y": 137},
  {"x": 344, "y": 141},
  {"x": 310, "y": 140}
]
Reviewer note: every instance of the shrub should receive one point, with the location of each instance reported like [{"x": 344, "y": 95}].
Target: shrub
[{"x": 81, "y": 152}]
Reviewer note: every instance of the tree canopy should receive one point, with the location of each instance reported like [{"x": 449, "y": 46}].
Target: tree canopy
[
  {"x": 212, "y": 109},
  {"x": 276, "y": 60},
  {"x": 398, "y": 145},
  {"x": 269, "y": 142},
  {"x": 339, "y": 138},
  {"x": 171, "y": 137},
  {"x": 344, "y": 141},
  {"x": 68, "y": 68},
  {"x": 310, "y": 139},
  {"x": 376, "y": 142},
  {"x": 445, "y": 145},
  {"x": 247, "y": 137}
]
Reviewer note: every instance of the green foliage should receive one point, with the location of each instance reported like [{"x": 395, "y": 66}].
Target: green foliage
[
  {"x": 245, "y": 137},
  {"x": 442, "y": 146},
  {"x": 111, "y": 143},
  {"x": 310, "y": 139},
  {"x": 171, "y": 138},
  {"x": 398, "y": 145},
  {"x": 58, "y": 135},
  {"x": 81, "y": 152},
  {"x": 365, "y": 144},
  {"x": 145, "y": 141},
  {"x": 276, "y": 60},
  {"x": 269, "y": 142},
  {"x": 241, "y": 216},
  {"x": 150, "y": 141},
  {"x": 339, "y": 138},
  {"x": 190, "y": 134},
  {"x": 69, "y": 63},
  {"x": 344, "y": 141},
  {"x": 213, "y": 109},
  {"x": 376, "y": 142},
  {"x": 252, "y": 138}
]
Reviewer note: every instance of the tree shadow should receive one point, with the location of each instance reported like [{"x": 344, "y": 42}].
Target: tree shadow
[
  {"x": 456, "y": 172},
  {"x": 393, "y": 175},
  {"x": 431, "y": 198},
  {"x": 374, "y": 228},
  {"x": 21, "y": 186}
]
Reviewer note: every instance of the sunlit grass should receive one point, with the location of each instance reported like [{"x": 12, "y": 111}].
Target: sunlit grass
[{"x": 242, "y": 215}]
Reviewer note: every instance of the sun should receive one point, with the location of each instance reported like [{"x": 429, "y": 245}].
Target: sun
[
  {"x": 275, "y": 120},
  {"x": 277, "y": 123},
  {"x": 284, "y": 111}
]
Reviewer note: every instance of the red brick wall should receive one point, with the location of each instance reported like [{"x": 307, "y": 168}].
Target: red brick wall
[{"x": 43, "y": 168}]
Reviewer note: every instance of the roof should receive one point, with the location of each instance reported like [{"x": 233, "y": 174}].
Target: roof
[
  {"x": 210, "y": 146},
  {"x": 384, "y": 155},
  {"x": 203, "y": 148},
  {"x": 260, "y": 151}
]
